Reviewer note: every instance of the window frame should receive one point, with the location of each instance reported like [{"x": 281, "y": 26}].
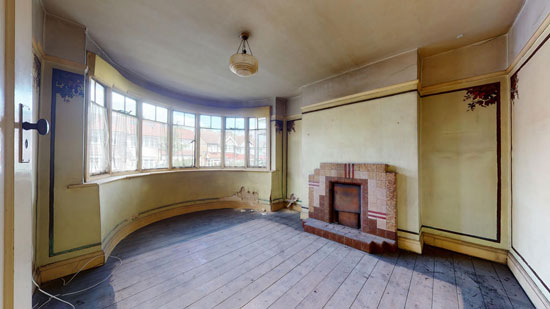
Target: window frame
[
  {"x": 196, "y": 138},
  {"x": 245, "y": 142},
  {"x": 223, "y": 113},
  {"x": 267, "y": 141},
  {"x": 138, "y": 129},
  {"x": 88, "y": 101},
  {"x": 222, "y": 137},
  {"x": 168, "y": 132}
]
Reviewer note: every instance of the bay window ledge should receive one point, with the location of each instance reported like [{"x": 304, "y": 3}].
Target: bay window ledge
[{"x": 98, "y": 180}]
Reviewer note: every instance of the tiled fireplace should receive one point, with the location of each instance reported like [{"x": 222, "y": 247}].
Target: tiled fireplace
[{"x": 354, "y": 204}]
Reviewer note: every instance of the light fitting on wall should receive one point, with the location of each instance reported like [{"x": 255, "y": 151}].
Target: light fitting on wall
[{"x": 243, "y": 63}]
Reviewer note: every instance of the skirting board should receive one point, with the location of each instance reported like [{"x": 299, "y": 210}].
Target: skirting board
[
  {"x": 140, "y": 222},
  {"x": 527, "y": 283},
  {"x": 413, "y": 245},
  {"x": 480, "y": 251},
  {"x": 70, "y": 266}
]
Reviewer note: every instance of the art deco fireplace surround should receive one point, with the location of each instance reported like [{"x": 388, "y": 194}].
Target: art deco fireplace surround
[{"x": 354, "y": 204}]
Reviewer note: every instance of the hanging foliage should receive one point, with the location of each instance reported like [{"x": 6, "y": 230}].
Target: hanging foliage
[{"x": 482, "y": 96}]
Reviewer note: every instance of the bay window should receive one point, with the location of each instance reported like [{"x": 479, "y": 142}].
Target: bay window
[
  {"x": 183, "y": 139},
  {"x": 234, "y": 142},
  {"x": 124, "y": 133},
  {"x": 210, "y": 141},
  {"x": 98, "y": 131},
  {"x": 257, "y": 142},
  {"x": 154, "y": 135}
]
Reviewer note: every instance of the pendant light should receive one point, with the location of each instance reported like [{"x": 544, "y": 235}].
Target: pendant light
[{"x": 243, "y": 63}]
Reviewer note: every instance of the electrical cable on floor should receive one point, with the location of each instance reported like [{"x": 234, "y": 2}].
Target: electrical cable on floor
[
  {"x": 51, "y": 297},
  {"x": 57, "y": 296},
  {"x": 78, "y": 272}
]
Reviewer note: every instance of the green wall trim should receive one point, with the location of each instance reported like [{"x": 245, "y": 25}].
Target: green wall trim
[{"x": 52, "y": 253}]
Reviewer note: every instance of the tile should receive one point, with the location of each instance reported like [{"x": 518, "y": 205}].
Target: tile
[
  {"x": 381, "y": 224},
  {"x": 371, "y": 168}
]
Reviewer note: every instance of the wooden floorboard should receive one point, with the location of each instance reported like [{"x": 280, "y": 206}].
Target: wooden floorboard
[
  {"x": 324, "y": 290},
  {"x": 445, "y": 293},
  {"x": 245, "y": 295},
  {"x": 372, "y": 291},
  {"x": 233, "y": 259},
  {"x": 517, "y": 296},
  {"x": 395, "y": 294},
  {"x": 420, "y": 294},
  {"x": 492, "y": 289},
  {"x": 468, "y": 290},
  {"x": 348, "y": 291}
]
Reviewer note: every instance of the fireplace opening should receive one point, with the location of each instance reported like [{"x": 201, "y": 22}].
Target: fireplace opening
[{"x": 346, "y": 204}]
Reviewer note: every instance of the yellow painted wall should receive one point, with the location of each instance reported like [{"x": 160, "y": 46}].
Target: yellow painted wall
[
  {"x": 125, "y": 199},
  {"x": 531, "y": 167},
  {"x": 76, "y": 220},
  {"x": 459, "y": 165},
  {"x": 383, "y": 130},
  {"x": 294, "y": 169},
  {"x": 85, "y": 214},
  {"x": 276, "y": 163}
]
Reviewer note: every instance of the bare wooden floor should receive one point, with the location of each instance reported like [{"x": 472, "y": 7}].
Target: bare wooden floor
[{"x": 232, "y": 259}]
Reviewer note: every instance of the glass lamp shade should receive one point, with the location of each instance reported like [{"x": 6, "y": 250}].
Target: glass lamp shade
[{"x": 243, "y": 65}]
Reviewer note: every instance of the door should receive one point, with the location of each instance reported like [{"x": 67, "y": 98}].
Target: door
[{"x": 17, "y": 173}]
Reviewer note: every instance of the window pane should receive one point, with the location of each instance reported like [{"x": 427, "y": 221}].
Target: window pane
[
  {"x": 190, "y": 120},
  {"x": 229, "y": 123},
  {"x": 252, "y": 123},
  {"x": 183, "y": 152},
  {"x": 162, "y": 114},
  {"x": 261, "y": 123},
  {"x": 99, "y": 94},
  {"x": 210, "y": 147},
  {"x": 124, "y": 142},
  {"x": 92, "y": 90},
  {"x": 117, "y": 103},
  {"x": 98, "y": 140},
  {"x": 148, "y": 111},
  {"x": 216, "y": 122},
  {"x": 258, "y": 144},
  {"x": 131, "y": 106},
  {"x": 234, "y": 144},
  {"x": 239, "y": 123},
  {"x": 154, "y": 150},
  {"x": 205, "y": 121},
  {"x": 178, "y": 118}
]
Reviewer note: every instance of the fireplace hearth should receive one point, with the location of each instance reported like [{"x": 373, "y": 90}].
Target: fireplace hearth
[{"x": 354, "y": 204}]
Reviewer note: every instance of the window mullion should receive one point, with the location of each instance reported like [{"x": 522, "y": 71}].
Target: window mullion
[
  {"x": 246, "y": 142},
  {"x": 222, "y": 144},
  {"x": 197, "y": 141},
  {"x": 139, "y": 115},
  {"x": 170, "y": 132},
  {"x": 107, "y": 100}
]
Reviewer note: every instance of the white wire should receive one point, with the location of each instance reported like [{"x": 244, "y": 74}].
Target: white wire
[
  {"x": 51, "y": 296},
  {"x": 56, "y": 297},
  {"x": 93, "y": 286},
  {"x": 78, "y": 272}
]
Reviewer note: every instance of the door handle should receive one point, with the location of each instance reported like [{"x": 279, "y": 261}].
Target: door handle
[{"x": 42, "y": 126}]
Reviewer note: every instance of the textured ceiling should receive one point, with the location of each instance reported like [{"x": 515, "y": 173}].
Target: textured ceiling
[{"x": 185, "y": 45}]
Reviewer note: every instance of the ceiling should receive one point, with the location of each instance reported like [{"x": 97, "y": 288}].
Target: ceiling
[{"x": 184, "y": 45}]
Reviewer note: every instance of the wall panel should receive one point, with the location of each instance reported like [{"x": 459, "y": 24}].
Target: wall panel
[
  {"x": 530, "y": 165},
  {"x": 460, "y": 161}
]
